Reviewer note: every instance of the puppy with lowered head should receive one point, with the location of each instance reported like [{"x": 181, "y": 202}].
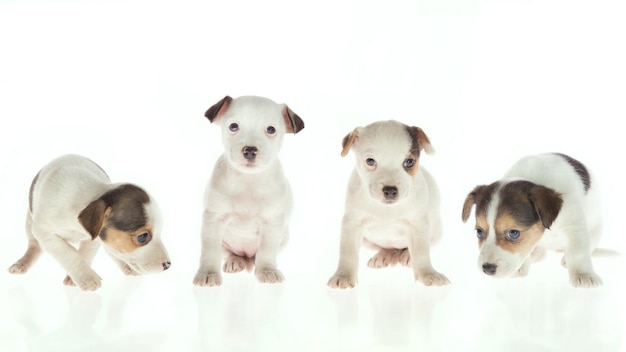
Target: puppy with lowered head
[
  {"x": 392, "y": 203},
  {"x": 546, "y": 201},
  {"x": 72, "y": 200},
  {"x": 248, "y": 200}
]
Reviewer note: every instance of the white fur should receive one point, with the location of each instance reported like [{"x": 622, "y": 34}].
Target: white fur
[
  {"x": 412, "y": 221},
  {"x": 63, "y": 188},
  {"x": 247, "y": 205},
  {"x": 576, "y": 230}
]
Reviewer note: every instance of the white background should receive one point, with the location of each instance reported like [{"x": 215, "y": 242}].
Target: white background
[{"x": 127, "y": 83}]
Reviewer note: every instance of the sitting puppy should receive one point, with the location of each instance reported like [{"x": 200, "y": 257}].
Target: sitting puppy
[
  {"x": 392, "y": 203},
  {"x": 248, "y": 199},
  {"x": 545, "y": 201},
  {"x": 72, "y": 200}
]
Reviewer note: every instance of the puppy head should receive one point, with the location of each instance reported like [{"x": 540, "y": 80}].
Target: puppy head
[
  {"x": 510, "y": 219},
  {"x": 253, "y": 130},
  {"x": 387, "y": 157},
  {"x": 128, "y": 222}
]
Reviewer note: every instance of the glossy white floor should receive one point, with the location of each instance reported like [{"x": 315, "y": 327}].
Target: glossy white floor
[{"x": 126, "y": 83}]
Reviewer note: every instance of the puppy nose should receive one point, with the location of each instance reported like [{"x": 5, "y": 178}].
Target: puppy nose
[
  {"x": 166, "y": 265},
  {"x": 489, "y": 268},
  {"x": 390, "y": 192},
  {"x": 249, "y": 152}
]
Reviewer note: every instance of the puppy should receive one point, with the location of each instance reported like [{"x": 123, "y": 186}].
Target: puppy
[
  {"x": 71, "y": 200},
  {"x": 248, "y": 199},
  {"x": 546, "y": 201},
  {"x": 392, "y": 203}
]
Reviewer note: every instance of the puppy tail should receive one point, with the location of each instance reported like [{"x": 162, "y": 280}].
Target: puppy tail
[{"x": 605, "y": 253}]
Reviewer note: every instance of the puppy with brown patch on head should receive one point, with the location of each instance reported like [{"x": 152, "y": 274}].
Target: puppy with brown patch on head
[
  {"x": 392, "y": 203},
  {"x": 545, "y": 201},
  {"x": 248, "y": 200},
  {"x": 71, "y": 200}
]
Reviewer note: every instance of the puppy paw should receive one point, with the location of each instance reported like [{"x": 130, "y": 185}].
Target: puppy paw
[
  {"x": 405, "y": 258},
  {"x": 564, "y": 262},
  {"x": 586, "y": 280},
  {"x": 384, "y": 258},
  {"x": 18, "y": 268},
  {"x": 207, "y": 279},
  {"x": 432, "y": 278},
  {"x": 342, "y": 281},
  {"x": 68, "y": 281},
  {"x": 269, "y": 276},
  {"x": 87, "y": 281},
  {"x": 234, "y": 264},
  {"x": 127, "y": 270}
]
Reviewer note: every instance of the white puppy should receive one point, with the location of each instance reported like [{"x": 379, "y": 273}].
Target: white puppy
[
  {"x": 72, "y": 201},
  {"x": 248, "y": 199},
  {"x": 545, "y": 201},
  {"x": 392, "y": 203}
]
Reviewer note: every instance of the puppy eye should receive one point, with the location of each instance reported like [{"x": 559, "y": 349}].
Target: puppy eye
[
  {"x": 144, "y": 238},
  {"x": 270, "y": 130},
  {"x": 409, "y": 163},
  {"x": 370, "y": 162},
  {"x": 480, "y": 234},
  {"x": 233, "y": 127},
  {"x": 512, "y": 235}
]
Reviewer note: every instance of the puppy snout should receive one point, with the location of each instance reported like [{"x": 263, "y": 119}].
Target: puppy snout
[
  {"x": 249, "y": 152},
  {"x": 166, "y": 265},
  {"x": 390, "y": 192},
  {"x": 489, "y": 269}
]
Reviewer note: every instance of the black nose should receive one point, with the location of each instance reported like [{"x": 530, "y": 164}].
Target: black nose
[
  {"x": 489, "y": 268},
  {"x": 166, "y": 265},
  {"x": 249, "y": 152},
  {"x": 390, "y": 192}
]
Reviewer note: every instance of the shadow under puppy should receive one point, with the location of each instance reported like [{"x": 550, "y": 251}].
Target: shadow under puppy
[
  {"x": 392, "y": 203},
  {"x": 248, "y": 199},
  {"x": 545, "y": 201},
  {"x": 71, "y": 200}
]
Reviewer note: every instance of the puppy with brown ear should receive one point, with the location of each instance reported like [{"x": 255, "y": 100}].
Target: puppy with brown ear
[
  {"x": 546, "y": 201},
  {"x": 392, "y": 204},
  {"x": 71, "y": 200},
  {"x": 248, "y": 199}
]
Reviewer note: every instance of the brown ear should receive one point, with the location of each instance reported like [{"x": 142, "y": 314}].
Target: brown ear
[
  {"x": 479, "y": 196},
  {"x": 218, "y": 109},
  {"x": 348, "y": 141},
  {"x": 293, "y": 122},
  {"x": 424, "y": 142},
  {"x": 547, "y": 204},
  {"x": 92, "y": 217}
]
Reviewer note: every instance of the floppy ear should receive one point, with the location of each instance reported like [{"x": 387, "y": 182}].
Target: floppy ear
[
  {"x": 348, "y": 141},
  {"x": 92, "y": 217},
  {"x": 218, "y": 109},
  {"x": 293, "y": 122},
  {"x": 474, "y": 197},
  {"x": 547, "y": 203},
  {"x": 424, "y": 142}
]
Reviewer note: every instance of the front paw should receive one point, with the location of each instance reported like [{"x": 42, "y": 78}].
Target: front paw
[
  {"x": 127, "y": 270},
  {"x": 209, "y": 279},
  {"x": 269, "y": 276},
  {"x": 342, "y": 281},
  {"x": 585, "y": 279},
  {"x": 432, "y": 278},
  {"x": 87, "y": 281},
  {"x": 234, "y": 264}
]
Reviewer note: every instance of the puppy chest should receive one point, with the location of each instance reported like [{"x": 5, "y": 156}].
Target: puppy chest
[{"x": 388, "y": 234}]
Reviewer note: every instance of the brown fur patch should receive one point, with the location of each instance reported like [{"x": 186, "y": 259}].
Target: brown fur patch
[
  {"x": 123, "y": 241},
  {"x": 529, "y": 235},
  {"x": 580, "y": 169},
  {"x": 413, "y": 170},
  {"x": 528, "y": 203},
  {"x": 218, "y": 108},
  {"x": 481, "y": 197},
  {"x": 127, "y": 207},
  {"x": 481, "y": 223}
]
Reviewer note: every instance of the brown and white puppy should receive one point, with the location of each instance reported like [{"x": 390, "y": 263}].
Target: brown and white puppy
[
  {"x": 392, "y": 203},
  {"x": 248, "y": 199},
  {"x": 545, "y": 201},
  {"x": 72, "y": 201}
]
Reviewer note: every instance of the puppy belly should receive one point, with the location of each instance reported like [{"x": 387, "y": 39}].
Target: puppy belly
[
  {"x": 243, "y": 245},
  {"x": 388, "y": 236}
]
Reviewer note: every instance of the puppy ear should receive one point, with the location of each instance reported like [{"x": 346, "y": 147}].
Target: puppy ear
[
  {"x": 293, "y": 122},
  {"x": 547, "y": 203},
  {"x": 424, "y": 142},
  {"x": 348, "y": 141},
  {"x": 92, "y": 217},
  {"x": 218, "y": 109},
  {"x": 475, "y": 197}
]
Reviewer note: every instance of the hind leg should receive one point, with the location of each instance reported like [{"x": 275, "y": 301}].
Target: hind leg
[
  {"x": 384, "y": 258},
  {"x": 33, "y": 252},
  {"x": 235, "y": 263}
]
